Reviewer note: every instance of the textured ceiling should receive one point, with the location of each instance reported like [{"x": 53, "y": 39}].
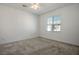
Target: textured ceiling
[{"x": 44, "y": 7}]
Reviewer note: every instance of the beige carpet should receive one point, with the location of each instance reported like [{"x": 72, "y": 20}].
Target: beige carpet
[{"x": 38, "y": 46}]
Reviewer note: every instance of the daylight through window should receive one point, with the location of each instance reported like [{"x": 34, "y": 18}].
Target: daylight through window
[{"x": 54, "y": 23}]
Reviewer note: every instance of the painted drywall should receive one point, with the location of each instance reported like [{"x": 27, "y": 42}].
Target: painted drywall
[
  {"x": 17, "y": 25},
  {"x": 69, "y": 25}
]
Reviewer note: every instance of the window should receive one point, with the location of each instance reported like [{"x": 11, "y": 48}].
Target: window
[
  {"x": 49, "y": 24},
  {"x": 54, "y": 23}
]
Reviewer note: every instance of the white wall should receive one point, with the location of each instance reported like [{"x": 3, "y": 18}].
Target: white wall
[
  {"x": 70, "y": 25},
  {"x": 17, "y": 25}
]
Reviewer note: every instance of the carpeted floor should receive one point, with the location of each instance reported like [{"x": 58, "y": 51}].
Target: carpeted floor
[{"x": 38, "y": 46}]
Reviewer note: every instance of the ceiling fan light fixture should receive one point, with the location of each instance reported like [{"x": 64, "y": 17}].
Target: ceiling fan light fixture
[{"x": 35, "y": 6}]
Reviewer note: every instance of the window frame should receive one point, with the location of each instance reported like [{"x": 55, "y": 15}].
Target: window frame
[{"x": 53, "y": 25}]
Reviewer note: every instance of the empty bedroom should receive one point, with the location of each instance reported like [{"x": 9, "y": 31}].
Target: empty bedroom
[{"x": 39, "y": 29}]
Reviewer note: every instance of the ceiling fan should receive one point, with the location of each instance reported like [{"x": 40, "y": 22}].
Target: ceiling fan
[{"x": 34, "y": 6}]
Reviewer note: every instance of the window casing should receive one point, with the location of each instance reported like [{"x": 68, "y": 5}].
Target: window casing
[{"x": 54, "y": 23}]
